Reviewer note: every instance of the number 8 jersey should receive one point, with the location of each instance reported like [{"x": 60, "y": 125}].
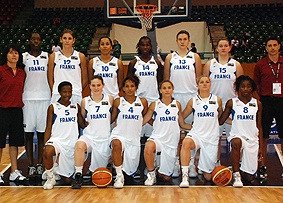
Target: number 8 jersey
[{"x": 244, "y": 119}]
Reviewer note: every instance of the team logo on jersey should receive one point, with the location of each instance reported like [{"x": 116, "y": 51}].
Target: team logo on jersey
[
  {"x": 173, "y": 105},
  {"x": 151, "y": 62},
  {"x": 189, "y": 57},
  {"x": 230, "y": 64},
  {"x": 252, "y": 104},
  {"x": 73, "y": 106},
  {"x": 212, "y": 102},
  {"x": 74, "y": 57},
  {"x": 112, "y": 64},
  {"x": 43, "y": 57},
  {"x": 137, "y": 104},
  {"x": 104, "y": 103},
  {"x": 214, "y": 63}
]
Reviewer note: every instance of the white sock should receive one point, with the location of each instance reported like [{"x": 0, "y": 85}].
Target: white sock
[
  {"x": 118, "y": 170},
  {"x": 185, "y": 169},
  {"x": 78, "y": 169}
]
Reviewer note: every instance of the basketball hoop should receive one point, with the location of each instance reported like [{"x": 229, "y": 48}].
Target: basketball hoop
[{"x": 146, "y": 14}]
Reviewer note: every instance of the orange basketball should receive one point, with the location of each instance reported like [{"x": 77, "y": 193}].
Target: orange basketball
[
  {"x": 102, "y": 177},
  {"x": 221, "y": 175}
]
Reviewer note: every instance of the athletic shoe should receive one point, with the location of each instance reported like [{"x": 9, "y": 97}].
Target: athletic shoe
[
  {"x": 88, "y": 175},
  {"x": 151, "y": 179},
  {"x": 77, "y": 181},
  {"x": 119, "y": 181},
  {"x": 237, "y": 180},
  {"x": 1, "y": 180},
  {"x": 192, "y": 171},
  {"x": 176, "y": 171},
  {"x": 49, "y": 184},
  {"x": 262, "y": 172},
  {"x": 31, "y": 171},
  {"x": 44, "y": 176},
  {"x": 185, "y": 181},
  {"x": 39, "y": 169},
  {"x": 17, "y": 176}
]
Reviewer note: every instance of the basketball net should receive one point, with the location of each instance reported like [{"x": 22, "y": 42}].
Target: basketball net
[{"x": 146, "y": 15}]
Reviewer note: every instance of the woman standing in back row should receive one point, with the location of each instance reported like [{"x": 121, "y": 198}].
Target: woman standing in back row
[
  {"x": 223, "y": 72},
  {"x": 67, "y": 65},
  {"x": 183, "y": 68},
  {"x": 108, "y": 67}
]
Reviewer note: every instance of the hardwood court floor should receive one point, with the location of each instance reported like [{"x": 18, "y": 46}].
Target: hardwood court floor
[
  {"x": 134, "y": 191},
  {"x": 141, "y": 194}
]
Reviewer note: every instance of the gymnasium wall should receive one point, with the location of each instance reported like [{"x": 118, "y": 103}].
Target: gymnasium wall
[
  {"x": 166, "y": 37},
  {"x": 100, "y": 3}
]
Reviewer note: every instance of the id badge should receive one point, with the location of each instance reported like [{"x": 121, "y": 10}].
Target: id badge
[{"x": 276, "y": 88}]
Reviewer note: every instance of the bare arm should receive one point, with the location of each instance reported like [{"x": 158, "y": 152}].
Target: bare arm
[
  {"x": 114, "y": 113},
  {"x": 206, "y": 68},
  {"x": 50, "y": 71},
  {"x": 148, "y": 116},
  {"x": 131, "y": 66},
  {"x": 84, "y": 78},
  {"x": 239, "y": 69},
  {"x": 189, "y": 109},
  {"x": 259, "y": 124},
  {"x": 50, "y": 113},
  {"x": 160, "y": 72},
  {"x": 120, "y": 74},
  {"x": 81, "y": 120},
  {"x": 83, "y": 111},
  {"x": 220, "y": 110},
  {"x": 90, "y": 69},
  {"x": 181, "y": 119},
  {"x": 145, "y": 105},
  {"x": 226, "y": 112},
  {"x": 198, "y": 66},
  {"x": 167, "y": 67}
]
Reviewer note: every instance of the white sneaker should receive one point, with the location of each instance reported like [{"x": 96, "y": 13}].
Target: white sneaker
[
  {"x": 1, "y": 179},
  {"x": 17, "y": 176},
  {"x": 151, "y": 179},
  {"x": 119, "y": 181},
  {"x": 176, "y": 171},
  {"x": 192, "y": 171},
  {"x": 185, "y": 181},
  {"x": 237, "y": 180},
  {"x": 49, "y": 184}
]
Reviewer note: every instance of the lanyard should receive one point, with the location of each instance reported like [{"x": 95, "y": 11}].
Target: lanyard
[{"x": 276, "y": 75}]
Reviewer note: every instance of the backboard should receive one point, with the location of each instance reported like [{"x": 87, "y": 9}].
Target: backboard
[{"x": 124, "y": 11}]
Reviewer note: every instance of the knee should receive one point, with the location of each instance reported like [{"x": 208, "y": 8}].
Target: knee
[
  {"x": 149, "y": 148},
  {"x": 80, "y": 146},
  {"x": 116, "y": 145},
  {"x": 236, "y": 143},
  {"x": 48, "y": 152},
  {"x": 188, "y": 144}
]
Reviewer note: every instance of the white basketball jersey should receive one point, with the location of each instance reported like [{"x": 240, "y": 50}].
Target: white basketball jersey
[
  {"x": 166, "y": 125},
  {"x": 129, "y": 121},
  {"x": 222, "y": 79},
  {"x": 36, "y": 84},
  {"x": 206, "y": 125},
  {"x": 65, "y": 123},
  {"x": 147, "y": 73},
  {"x": 98, "y": 116},
  {"x": 183, "y": 73},
  {"x": 244, "y": 119},
  {"x": 108, "y": 71},
  {"x": 67, "y": 69}
]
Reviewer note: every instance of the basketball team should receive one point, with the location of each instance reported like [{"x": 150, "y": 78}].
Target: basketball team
[{"x": 182, "y": 108}]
